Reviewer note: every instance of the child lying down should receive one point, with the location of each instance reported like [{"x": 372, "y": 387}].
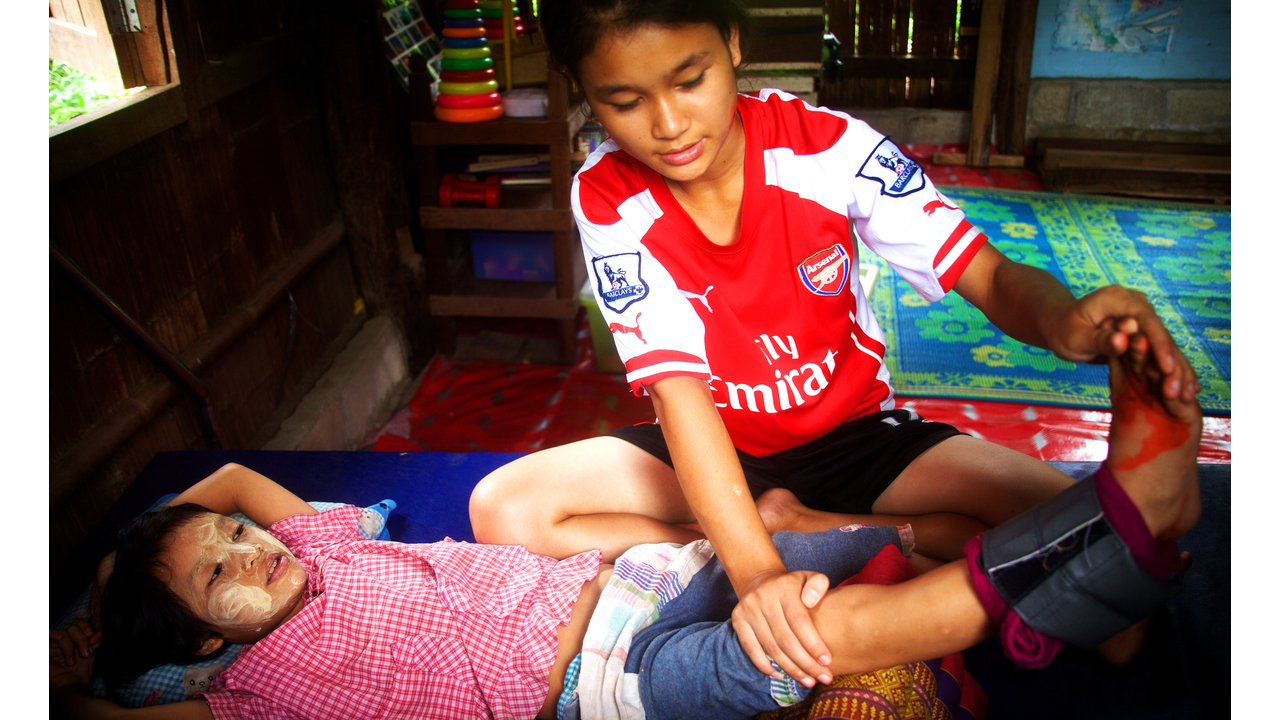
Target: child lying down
[{"x": 344, "y": 627}]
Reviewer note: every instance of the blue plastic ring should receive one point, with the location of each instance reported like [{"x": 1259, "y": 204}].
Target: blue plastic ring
[
  {"x": 465, "y": 43},
  {"x": 464, "y": 22}
]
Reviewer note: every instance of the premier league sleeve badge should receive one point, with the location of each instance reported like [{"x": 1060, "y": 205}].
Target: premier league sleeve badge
[
  {"x": 618, "y": 280},
  {"x": 897, "y": 174}
]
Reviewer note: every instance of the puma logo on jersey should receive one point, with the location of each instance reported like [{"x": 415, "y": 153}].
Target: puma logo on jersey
[
  {"x": 620, "y": 328},
  {"x": 937, "y": 205},
  {"x": 696, "y": 296}
]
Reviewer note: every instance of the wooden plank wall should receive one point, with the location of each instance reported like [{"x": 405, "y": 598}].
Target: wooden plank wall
[
  {"x": 186, "y": 225},
  {"x": 872, "y": 32}
]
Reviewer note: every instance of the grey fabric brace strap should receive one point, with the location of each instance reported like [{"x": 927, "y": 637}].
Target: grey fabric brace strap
[{"x": 1067, "y": 573}]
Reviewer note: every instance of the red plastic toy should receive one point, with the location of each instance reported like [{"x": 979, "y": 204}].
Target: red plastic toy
[{"x": 455, "y": 190}]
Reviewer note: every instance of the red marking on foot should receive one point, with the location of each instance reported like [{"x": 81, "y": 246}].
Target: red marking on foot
[
  {"x": 620, "y": 328},
  {"x": 1166, "y": 433}
]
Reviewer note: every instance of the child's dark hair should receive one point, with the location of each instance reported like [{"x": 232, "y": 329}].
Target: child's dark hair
[
  {"x": 144, "y": 623},
  {"x": 573, "y": 27}
]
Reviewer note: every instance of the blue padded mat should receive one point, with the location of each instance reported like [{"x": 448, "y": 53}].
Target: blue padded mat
[{"x": 1183, "y": 672}]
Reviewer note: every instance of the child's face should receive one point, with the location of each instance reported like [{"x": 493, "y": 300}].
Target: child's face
[
  {"x": 235, "y": 577},
  {"x": 668, "y": 97}
]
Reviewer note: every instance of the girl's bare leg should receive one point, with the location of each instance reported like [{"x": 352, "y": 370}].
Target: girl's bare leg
[
  {"x": 600, "y": 493},
  {"x": 973, "y": 477}
]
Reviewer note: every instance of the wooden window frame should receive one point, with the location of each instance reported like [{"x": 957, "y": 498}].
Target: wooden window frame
[
  {"x": 89, "y": 139},
  {"x": 79, "y": 35}
]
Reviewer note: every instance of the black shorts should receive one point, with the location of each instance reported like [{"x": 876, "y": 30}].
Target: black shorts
[{"x": 843, "y": 471}]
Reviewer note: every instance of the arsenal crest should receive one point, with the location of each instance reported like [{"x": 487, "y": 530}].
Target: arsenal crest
[
  {"x": 897, "y": 174},
  {"x": 826, "y": 272},
  {"x": 618, "y": 280}
]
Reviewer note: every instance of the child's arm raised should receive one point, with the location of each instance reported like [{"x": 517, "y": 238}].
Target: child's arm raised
[
  {"x": 771, "y": 619},
  {"x": 1034, "y": 307},
  {"x": 235, "y": 488}
]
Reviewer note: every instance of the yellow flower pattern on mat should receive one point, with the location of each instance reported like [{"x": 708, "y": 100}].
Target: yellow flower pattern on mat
[
  {"x": 913, "y": 300},
  {"x": 1019, "y": 230},
  {"x": 1157, "y": 241},
  {"x": 1221, "y": 335},
  {"x": 1200, "y": 221},
  {"x": 992, "y": 355}
]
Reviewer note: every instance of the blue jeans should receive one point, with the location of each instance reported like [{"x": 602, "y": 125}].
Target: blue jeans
[{"x": 690, "y": 662}]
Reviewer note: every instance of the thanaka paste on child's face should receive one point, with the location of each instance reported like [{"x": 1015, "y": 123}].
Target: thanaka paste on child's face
[
  {"x": 237, "y": 578},
  {"x": 668, "y": 97}
]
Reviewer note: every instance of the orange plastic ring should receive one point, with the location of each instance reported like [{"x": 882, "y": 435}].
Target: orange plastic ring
[
  {"x": 475, "y": 32},
  {"x": 462, "y": 115}
]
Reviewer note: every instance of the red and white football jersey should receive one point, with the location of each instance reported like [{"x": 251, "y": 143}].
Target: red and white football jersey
[{"x": 777, "y": 321}]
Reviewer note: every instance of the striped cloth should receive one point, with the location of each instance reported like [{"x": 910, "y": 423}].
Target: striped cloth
[{"x": 645, "y": 579}]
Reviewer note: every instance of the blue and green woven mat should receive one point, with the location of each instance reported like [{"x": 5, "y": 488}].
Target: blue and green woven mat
[{"x": 1178, "y": 254}]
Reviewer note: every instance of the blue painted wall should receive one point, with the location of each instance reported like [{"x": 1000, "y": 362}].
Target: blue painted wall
[{"x": 1200, "y": 48}]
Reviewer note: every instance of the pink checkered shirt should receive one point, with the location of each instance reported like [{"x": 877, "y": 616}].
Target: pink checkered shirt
[{"x": 446, "y": 630}]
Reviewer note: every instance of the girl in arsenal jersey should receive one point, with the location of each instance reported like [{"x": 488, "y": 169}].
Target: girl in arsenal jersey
[{"x": 718, "y": 232}]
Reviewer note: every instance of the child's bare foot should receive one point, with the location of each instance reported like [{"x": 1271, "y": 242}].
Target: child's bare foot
[
  {"x": 1153, "y": 445},
  {"x": 781, "y": 510}
]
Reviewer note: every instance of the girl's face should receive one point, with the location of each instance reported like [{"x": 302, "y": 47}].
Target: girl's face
[
  {"x": 668, "y": 97},
  {"x": 237, "y": 578}
]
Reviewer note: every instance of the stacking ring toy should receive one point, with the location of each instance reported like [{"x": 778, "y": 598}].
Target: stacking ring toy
[
  {"x": 467, "y": 76},
  {"x": 474, "y": 22},
  {"x": 463, "y": 43},
  {"x": 462, "y": 13},
  {"x": 468, "y": 114},
  {"x": 468, "y": 53},
  {"x": 477, "y": 64},
  {"x": 468, "y": 101},
  {"x": 464, "y": 32},
  {"x": 478, "y": 88}
]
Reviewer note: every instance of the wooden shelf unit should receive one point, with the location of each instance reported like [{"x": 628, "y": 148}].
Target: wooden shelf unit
[{"x": 455, "y": 291}]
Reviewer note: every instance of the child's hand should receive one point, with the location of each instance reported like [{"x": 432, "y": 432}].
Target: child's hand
[
  {"x": 71, "y": 655},
  {"x": 773, "y": 620},
  {"x": 1105, "y": 323}
]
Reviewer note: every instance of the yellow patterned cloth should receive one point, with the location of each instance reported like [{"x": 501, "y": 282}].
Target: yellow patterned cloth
[{"x": 905, "y": 691}]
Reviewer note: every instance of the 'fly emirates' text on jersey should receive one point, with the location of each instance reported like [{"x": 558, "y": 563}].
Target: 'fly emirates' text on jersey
[{"x": 777, "y": 321}]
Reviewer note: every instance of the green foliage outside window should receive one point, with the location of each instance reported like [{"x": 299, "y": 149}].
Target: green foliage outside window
[{"x": 72, "y": 93}]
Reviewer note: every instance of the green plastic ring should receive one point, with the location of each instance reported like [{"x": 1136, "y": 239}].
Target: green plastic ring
[
  {"x": 466, "y": 53},
  {"x": 462, "y": 13},
  {"x": 490, "y": 13},
  {"x": 475, "y": 88},
  {"x": 477, "y": 64}
]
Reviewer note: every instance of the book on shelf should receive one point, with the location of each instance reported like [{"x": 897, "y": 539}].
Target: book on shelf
[
  {"x": 490, "y": 163},
  {"x": 527, "y": 179}
]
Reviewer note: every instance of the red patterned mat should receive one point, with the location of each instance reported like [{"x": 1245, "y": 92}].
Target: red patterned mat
[
  {"x": 1008, "y": 178},
  {"x": 490, "y": 406}
]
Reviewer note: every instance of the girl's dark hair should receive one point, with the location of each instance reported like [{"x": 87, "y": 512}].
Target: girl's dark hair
[
  {"x": 144, "y": 623},
  {"x": 573, "y": 27}
]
